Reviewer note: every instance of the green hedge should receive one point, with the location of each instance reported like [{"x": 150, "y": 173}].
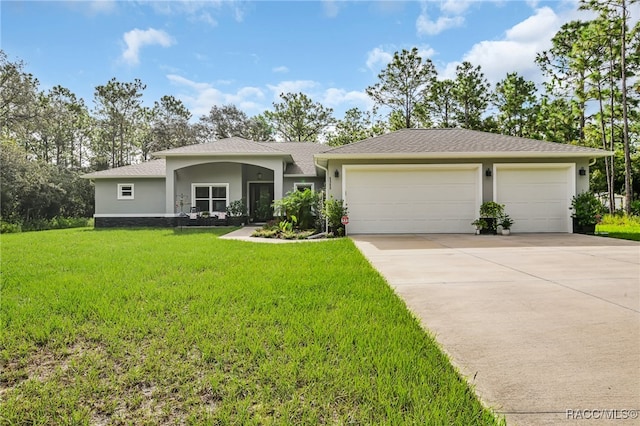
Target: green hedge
[{"x": 44, "y": 224}]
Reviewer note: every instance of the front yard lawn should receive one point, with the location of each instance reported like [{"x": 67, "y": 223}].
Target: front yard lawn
[{"x": 170, "y": 327}]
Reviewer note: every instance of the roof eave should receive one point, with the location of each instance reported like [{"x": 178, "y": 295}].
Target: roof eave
[
  {"x": 124, "y": 177},
  {"x": 461, "y": 155},
  {"x": 222, "y": 154}
]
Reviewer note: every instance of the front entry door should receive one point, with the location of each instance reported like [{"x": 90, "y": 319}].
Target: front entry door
[{"x": 260, "y": 199}]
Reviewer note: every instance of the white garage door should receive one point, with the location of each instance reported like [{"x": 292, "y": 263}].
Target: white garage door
[
  {"x": 412, "y": 198},
  {"x": 536, "y": 196}
]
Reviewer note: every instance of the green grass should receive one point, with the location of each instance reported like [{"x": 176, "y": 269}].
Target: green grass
[
  {"x": 624, "y": 227},
  {"x": 174, "y": 327}
]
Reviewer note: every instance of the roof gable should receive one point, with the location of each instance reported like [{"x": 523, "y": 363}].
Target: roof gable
[{"x": 229, "y": 146}]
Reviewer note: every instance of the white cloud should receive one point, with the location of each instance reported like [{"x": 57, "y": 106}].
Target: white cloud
[
  {"x": 424, "y": 25},
  {"x": 200, "y": 97},
  {"x": 249, "y": 91},
  {"x": 544, "y": 23},
  {"x": 426, "y": 52},
  {"x": 206, "y": 18},
  {"x": 331, "y": 8},
  {"x": 93, "y": 7},
  {"x": 338, "y": 98},
  {"x": 455, "y": 7},
  {"x": 200, "y": 11},
  {"x": 136, "y": 39},
  {"x": 450, "y": 18},
  {"x": 378, "y": 58},
  {"x": 102, "y": 6},
  {"x": 517, "y": 50},
  {"x": 281, "y": 69},
  {"x": 292, "y": 86}
]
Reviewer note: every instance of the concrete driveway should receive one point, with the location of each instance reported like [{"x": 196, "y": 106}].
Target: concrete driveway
[{"x": 545, "y": 326}]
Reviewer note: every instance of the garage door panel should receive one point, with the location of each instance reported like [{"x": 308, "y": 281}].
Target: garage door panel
[
  {"x": 412, "y": 201},
  {"x": 536, "y": 197}
]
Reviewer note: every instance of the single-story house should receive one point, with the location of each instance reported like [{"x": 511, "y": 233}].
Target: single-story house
[{"x": 408, "y": 181}]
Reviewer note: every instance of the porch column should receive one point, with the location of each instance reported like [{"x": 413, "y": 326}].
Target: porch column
[
  {"x": 169, "y": 191},
  {"x": 278, "y": 180}
]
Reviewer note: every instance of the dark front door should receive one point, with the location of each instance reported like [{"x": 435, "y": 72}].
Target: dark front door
[{"x": 260, "y": 199}]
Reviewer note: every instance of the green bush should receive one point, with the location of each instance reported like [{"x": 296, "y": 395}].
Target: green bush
[
  {"x": 491, "y": 210},
  {"x": 635, "y": 207},
  {"x": 333, "y": 211},
  {"x": 587, "y": 209},
  {"x": 45, "y": 224},
  {"x": 237, "y": 208},
  {"x": 9, "y": 228},
  {"x": 303, "y": 205}
]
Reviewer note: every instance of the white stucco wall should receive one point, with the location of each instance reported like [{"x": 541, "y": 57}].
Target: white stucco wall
[{"x": 149, "y": 197}]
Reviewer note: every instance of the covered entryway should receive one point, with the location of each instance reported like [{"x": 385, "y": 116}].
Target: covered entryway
[
  {"x": 536, "y": 196},
  {"x": 412, "y": 198}
]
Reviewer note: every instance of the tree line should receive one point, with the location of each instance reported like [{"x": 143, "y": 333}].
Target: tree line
[{"x": 590, "y": 98}]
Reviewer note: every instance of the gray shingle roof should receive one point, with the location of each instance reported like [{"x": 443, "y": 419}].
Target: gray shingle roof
[
  {"x": 148, "y": 169},
  {"x": 415, "y": 141},
  {"x": 234, "y": 145},
  {"x": 409, "y": 142},
  {"x": 302, "y": 154}
]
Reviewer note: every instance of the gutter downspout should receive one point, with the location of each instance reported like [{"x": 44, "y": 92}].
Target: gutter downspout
[{"x": 327, "y": 182}]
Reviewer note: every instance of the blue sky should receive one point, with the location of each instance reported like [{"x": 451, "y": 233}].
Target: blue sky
[{"x": 248, "y": 52}]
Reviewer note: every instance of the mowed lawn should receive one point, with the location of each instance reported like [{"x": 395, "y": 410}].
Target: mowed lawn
[{"x": 171, "y": 327}]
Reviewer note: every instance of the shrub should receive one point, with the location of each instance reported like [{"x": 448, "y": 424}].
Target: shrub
[
  {"x": 490, "y": 214},
  {"x": 333, "y": 211},
  {"x": 491, "y": 210},
  {"x": 237, "y": 208},
  {"x": 9, "y": 228},
  {"x": 587, "y": 209},
  {"x": 635, "y": 207},
  {"x": 45, "y": 224},
  {"x": 304, "y": 205}
]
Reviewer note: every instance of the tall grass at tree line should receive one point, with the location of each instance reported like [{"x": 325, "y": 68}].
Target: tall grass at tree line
[
  {"x": 165, "y": 327},
  {"x": 620, "y": 226},
  {"x": 44, "y": 224}
]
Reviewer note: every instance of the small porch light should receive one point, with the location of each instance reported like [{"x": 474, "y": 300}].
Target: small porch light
[
  {"x": 487, "y": 172},
  {"x": 259, "y": 176},
  {"x": 336, "y": 173},
  {"x": 582, "y": 171}
]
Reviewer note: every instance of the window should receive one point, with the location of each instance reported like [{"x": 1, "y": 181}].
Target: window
[
  {"x": 125, "y": 191},
  {"x": 210, "y": 197},
  {"x": 301, "y": 186}
]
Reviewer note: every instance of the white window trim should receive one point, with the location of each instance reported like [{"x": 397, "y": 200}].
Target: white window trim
[
  {"x": 121, "y": 196},
  {"x": 225, "y": 185},
  {"x": 304, "y": 185}
]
